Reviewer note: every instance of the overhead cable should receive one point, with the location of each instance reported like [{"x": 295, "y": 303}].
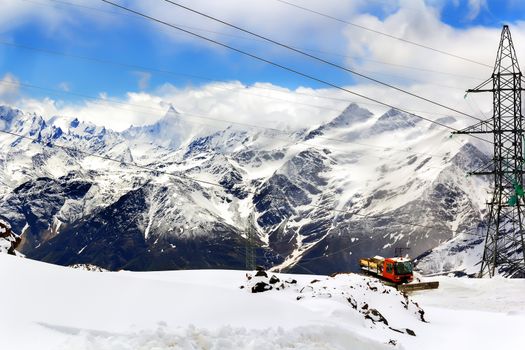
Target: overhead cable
[
  {"x": 181, "y": 176},
  {"x": 292, "y": 70},
  {"x": 385, "y": 34},
  {"x": 104, "y": 101},
  {"x": 181, "y": 74},
  {"x": 319, "y": 59},
  {"x": 114, "y": 13}
]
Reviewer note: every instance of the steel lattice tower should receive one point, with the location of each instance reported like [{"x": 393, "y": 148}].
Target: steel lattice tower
[
  {"x": 504, "y": 243},
  {"x": 250, "y": 244}
]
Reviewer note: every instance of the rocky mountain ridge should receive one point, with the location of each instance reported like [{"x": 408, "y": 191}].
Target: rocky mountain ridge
[{"x": 318, "y": 198}]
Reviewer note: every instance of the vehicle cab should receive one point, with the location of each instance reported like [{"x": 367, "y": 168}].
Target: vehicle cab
[{"x": 398, "y": 270}]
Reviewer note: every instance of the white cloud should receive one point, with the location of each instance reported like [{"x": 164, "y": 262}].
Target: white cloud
[
  {"x": 475, "y": 7},
  {"x": 54, "y": 18},
  {"x": 413, "y": 20},
  {"x": 264, "y": 105},
  {"x": 267, "y": 17},
  {"x": 221, "y": 104},
  {"x": 64, "y": 86},
  {"x": 9, "y": 88},
  {"x": 143, "y": 79},
  {"x": 425, "y": 27}
]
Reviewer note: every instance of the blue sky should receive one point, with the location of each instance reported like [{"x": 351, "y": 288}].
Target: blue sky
[
  {"x": 103, "y": 33},
  {"x": 131, "y": 43}
]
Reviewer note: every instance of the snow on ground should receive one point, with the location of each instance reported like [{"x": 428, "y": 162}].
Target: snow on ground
[
  {"x": 473, "y": 314},
  {"x": 51, "y": 307}
]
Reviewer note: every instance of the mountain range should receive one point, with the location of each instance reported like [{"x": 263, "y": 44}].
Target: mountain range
[{"x": 177, "y": 195}]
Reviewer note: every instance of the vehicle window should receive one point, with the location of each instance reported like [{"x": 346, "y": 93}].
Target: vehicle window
[
  {"x": 403, "y": 267},
  {"x": 389, "y": 268}
]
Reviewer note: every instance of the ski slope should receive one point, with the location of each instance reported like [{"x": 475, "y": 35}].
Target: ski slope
[{"x": 51, "y": 307}]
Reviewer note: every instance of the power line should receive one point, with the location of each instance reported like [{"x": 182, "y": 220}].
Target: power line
[
  {"x": 284, "y": 67},
  {"x": 200, "y": 77},
  {"x": 377, "y": 81},
  {"x": 70, "y": 4},
  {"x": 206, "y": 117},
  {"x": 181, "y": 176},
  {"x": 209, "y": 183},
  {"x": 361, "y": 240},
  {"x": 167, "y": 72},
  {"x": 346, "y": 248},
  {"x": 259, "y": 40},
  {"x": 385, "y": 34},
  {"x": 160, "y": 71}
]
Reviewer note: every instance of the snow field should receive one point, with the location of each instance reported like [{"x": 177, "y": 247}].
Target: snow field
[
  {"x": 190, "y": 338},
  {"x": 64, "y": 308},
  {"x": 473, "y": 314},
  {"x": 51, "y": 307}
]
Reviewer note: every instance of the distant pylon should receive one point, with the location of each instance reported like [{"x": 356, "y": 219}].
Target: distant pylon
[
  {"x": 250, "y": 244},
  {"x": 504, "y": 249}
]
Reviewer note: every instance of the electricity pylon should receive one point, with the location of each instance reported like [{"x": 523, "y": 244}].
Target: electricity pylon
[
  {"x": 250, "y": 244},
  {"x": 504, "y": 249}
]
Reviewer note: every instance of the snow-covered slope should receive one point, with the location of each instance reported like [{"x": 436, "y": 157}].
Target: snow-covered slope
[
  {"x": 318, "y": 198},
  {"x": 460, "y": 256},
  {"x": 207, "y": 309}
]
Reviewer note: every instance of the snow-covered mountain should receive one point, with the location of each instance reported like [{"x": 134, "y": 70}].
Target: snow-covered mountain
[
  {"x": 458, "y": 257},
  {"x": 177, "y": 194}
]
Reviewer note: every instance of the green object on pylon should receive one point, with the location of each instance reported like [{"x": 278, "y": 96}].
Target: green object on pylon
[{"x": 519, "y": 191}]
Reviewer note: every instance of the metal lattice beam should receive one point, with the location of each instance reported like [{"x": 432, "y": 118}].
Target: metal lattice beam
[
  {"x": 250, "y": 244},
  {"x": 504, "y": 249}
]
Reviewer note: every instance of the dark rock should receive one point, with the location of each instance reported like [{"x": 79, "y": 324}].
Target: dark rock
[
  {"x": 274, "y": 279},
  {"x": 372, "y": 288},
  {"x": 397, "y": 330},
  {"x": 14, "y": 244},
  {"x": 306, "y": 289},
  {"x": 422, "y": 315},
  {"x": 352, "y": 302},
  {"x": 261, "y": 273},
  {"x": 410, "y": 332},
  {"x": 406, "y": 302},
  {"x": 260, "y": 287},
  {"x": 7, "y": 234},
  {"x": 375, "y": 316}
]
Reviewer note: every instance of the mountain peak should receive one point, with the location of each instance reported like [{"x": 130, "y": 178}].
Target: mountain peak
[
  {"x": 170, "y": 131},
  {"x": 352, "y": 114},
  {"x": 173, "y": 111},
  {"x": 394, "y": 119},
  {"x": 74, "y": 123}
]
